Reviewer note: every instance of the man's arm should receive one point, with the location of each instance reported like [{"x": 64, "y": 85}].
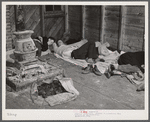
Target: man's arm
[
  {"x": 55, "y": 47},
  {"x": 80, "y": 43}
]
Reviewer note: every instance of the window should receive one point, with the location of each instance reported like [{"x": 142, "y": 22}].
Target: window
[{"x": 54, "y": 10}]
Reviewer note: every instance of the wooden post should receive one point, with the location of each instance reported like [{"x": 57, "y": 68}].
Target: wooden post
[
  {"x": 83, "y": 21},
  {"x": 121, "y": 29},
  {"x": 16, "y": 14},
  {"x": 66, "y": 19},
  {"x": 102, "y": 36},
  {"x": 63, "y": 8},
  {"x": 42, "y": 20}
]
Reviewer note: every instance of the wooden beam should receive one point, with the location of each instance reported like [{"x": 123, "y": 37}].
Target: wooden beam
[
  {"x": 102, "y": 36},
  {"x": 121, "y": 28},
  {"x": 42, "y": 20},
  {"x": 83, "y": 21},
  {"x": 66, "y": 19}
]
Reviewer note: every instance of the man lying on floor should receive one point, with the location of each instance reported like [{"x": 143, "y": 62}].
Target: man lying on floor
[
  {"x": 80, "y": 50},
  {"x": 95, "y": 51},
  {"x": 42, "y": 44},
  {"x": 130, "y": 63},
  {"x": 85, "y": 50}
]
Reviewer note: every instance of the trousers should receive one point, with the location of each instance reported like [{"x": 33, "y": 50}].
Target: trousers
[
  {"x": 88, "y": 50},
  {"x": 128, "y": 68},
  {"x": 131, "y": 62}
]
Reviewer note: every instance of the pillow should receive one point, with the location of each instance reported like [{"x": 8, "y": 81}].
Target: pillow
[{"x": 102, "y": 49}]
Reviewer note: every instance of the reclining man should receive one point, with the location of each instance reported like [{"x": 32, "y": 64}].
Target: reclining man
[
  {"x": 83, "y": 50},
  {"x": 130, "y": 63}
]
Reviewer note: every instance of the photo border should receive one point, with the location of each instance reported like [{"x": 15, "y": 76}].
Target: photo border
[{"x": 23, "y": 112}]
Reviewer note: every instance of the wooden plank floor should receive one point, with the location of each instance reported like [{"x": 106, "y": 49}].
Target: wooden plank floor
[{"x": 96, "y": 92}]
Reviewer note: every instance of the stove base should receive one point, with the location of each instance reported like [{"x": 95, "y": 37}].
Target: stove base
[{"x": 18, "y": 84}]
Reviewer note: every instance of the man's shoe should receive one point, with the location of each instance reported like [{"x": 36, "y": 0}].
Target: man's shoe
[
  {"x": 141, "y": 87},
  {"x": 87, "y": 69},
  {"x": 111, "y": 67},
  {"x": 108, "y": 74},
  {"x": 96, "y": 71},
  {"x": 99, "y": 60}
]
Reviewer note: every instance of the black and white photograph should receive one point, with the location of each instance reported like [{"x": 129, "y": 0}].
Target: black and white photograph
[{"x": 75, "y": 60}]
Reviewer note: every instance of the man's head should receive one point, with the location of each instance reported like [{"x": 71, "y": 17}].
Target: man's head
[
  {"x": 60, "y": 42},
  {"x": 45, "y": 42},
  {"x": 51, "y": 40}
]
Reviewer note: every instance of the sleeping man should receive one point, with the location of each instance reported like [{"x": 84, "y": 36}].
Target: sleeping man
[
  {"x": 81, "y": 50},
  {"x": 85, "y": 50},
  {"x": 130, "y": 63}
]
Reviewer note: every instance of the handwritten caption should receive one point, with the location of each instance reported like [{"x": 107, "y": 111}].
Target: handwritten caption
[{"x": 11, "y": 114}]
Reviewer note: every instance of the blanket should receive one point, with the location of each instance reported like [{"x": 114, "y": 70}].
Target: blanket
[
  {"x": 140, "y": 84},
  {"x": 102, "y": 66}
]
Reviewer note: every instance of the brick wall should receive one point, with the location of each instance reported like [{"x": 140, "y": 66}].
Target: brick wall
[{"x": 8, "y": 30}]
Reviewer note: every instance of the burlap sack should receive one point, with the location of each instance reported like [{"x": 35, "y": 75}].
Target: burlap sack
[{"x": 61, "y": 98}]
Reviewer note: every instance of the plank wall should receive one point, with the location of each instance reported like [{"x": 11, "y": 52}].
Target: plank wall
[
  {"x": 75, "y": 21},
  {"x": 32, "y": 19},
  {"x": 121, "y": 26},
  {"x": 134, "y": 27},
  {"x": 92, "y": 23},
  {"x": 54, "y": 27},
  {"x": 111, "y": 24}
]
